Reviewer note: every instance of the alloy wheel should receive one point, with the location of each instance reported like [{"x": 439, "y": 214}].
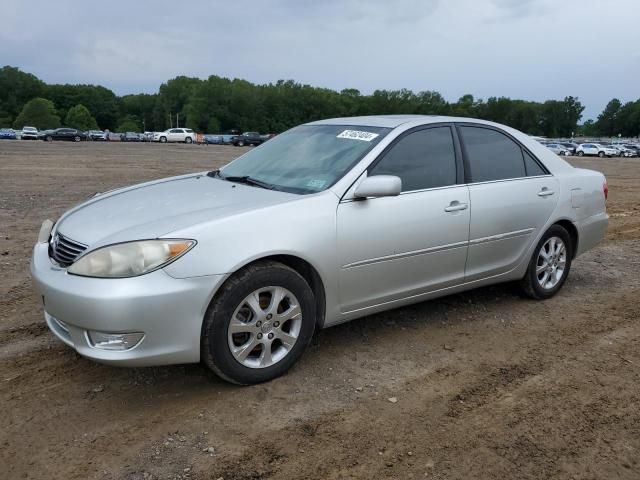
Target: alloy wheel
[
  {"x": 551, "y": 263},
  {"x": 264, "y": 327}
]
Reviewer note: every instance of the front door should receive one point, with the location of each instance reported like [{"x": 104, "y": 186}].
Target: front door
[{"x": 397, "y": 247}]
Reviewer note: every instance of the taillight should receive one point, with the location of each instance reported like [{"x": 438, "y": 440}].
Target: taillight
[{"x": 605, "y": 189}]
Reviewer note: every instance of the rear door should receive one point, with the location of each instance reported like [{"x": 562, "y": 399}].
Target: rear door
[
  {"x": 175, "y": 135},
  {"x": 396, "y": 247},
  {"x": 512, "y": 197}
]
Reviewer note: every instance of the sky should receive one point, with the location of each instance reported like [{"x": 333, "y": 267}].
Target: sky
[{"x": 528, "y": 49}]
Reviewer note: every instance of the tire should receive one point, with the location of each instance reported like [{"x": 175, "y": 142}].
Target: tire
[
  {"x": 76, "y": 138},
  {"x": 580, "y": 153},
  {"x": 531, "y": 284},
  {"x": 230, "y": 306},
  {"x": 601, "y": 154},
  {"x": 188, "y": 140},
  {"x": 163, "y": 139},
  {"x": 241, "y": 143}
]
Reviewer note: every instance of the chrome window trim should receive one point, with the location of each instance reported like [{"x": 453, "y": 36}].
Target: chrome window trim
[{"x": 456, "y": 185}]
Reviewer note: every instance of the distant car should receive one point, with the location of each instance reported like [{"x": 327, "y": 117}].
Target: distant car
[
  {"x": 634, "y": 148},
  {"x": 97, "y": 135},
  {"x": 247, "y": 138},
  {"x": 7, "y": 134},
  {"x": 130, "y": 137},
  {"x": 596, "y": 149},
  {"x": 213, "y": 140},
  {"x": 625, "y": 151},
  {"x": 69, "y": 134},
  {"x": 185, "y": 135},
  {"x": 558, "y": 148},
  {"x": 29, "y": 133},
  {"x": 570, "y": 146}
]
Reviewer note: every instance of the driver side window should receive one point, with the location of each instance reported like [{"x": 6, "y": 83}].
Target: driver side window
[{"x": 422, "y": 159}]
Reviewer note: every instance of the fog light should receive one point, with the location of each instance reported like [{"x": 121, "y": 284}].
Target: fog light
[{"x": 115, "y": 341}]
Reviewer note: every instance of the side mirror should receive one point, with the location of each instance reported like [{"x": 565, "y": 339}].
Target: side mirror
[{"x": 379, "y": 186}]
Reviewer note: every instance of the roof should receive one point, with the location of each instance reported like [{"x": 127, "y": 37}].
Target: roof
[{"x": 393, "y": 121}]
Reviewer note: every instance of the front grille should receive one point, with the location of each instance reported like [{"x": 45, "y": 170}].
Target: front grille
[{"x": 64, "y": 250}]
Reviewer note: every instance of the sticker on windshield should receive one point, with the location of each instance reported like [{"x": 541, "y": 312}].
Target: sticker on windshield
[
  {"x": 358, "y": 135},
  {"x": 317, "y": 184}
]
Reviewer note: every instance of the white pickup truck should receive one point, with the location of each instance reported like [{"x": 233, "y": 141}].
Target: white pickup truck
[{"x": 184, "y": 135}]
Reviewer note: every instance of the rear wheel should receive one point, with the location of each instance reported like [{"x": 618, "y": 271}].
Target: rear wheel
[
  {"x": 549, "y": 265},
  {"x": 259, "y": 324},
  {"x": 76, "y": 138}
]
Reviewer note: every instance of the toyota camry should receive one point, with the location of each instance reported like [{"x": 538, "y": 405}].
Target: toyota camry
[{"x": 330, "y": 221}]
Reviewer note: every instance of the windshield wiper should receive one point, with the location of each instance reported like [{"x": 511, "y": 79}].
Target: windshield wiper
[{"x": 246, "y": 179}]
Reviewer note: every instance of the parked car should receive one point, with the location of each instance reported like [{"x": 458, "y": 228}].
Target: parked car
[
  {"x": 634, "y": 148},
  {"x": 7, "y": 134},
  {"x": 571, "y": 147},
  {"x": 130, "y": 137},
  {"x": 70, "y": 134},
  {"x": 29, "y": 133},
  {"x": 623, "y": 151},
  {"x": 372, "y": 213},
  {"x": 185, "y": 135},
  {"x": 247, "y": 138},
  {"x": 97, "y": 135},
  {"x": 213, "y": 139},
  {"x": 557, "y": 148},
  {"x": 596, "y": 149}
]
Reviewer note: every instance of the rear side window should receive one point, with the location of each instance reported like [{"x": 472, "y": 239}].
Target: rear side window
[
  {"x": 532, "y": 166},
  {"x": 492, "y": 155},
  {"x": 422, "y": 159}
]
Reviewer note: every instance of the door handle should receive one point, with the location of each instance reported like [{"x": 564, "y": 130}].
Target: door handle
[
  {"x": 545, "y": 192},
  {"x": 456, "y": 206}
]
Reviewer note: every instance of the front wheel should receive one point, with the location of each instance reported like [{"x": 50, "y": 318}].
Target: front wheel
[
  {"x": 580, "y": 153},
  {"x": 549, "y": 265},
  {"x": 601, "y": 154},
  {"x": 163, "y": 139},
  {"x": 259, "y": 324},
  {"x": 241, "y": 143},
  {"x": 188, "y": 140}
]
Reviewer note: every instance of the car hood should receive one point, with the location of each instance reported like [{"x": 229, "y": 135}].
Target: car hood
[{"x": 156, "y": 209}]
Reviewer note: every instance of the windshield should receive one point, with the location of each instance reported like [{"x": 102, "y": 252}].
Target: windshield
[{"x": 308, "y": 158}]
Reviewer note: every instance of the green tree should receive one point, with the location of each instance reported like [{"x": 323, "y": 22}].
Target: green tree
[
  {"x": 130, "y": 123},
  {"x": 16, "y": 89},
  {"x": 80, "y": 118},
  {"x": 39, "y": 113},
  {"x": 101, "y": 102},
  {"x": 607, "y": 122}
]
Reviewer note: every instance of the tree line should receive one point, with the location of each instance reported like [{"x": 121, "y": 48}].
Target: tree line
[{"x": 218, "y": 104}]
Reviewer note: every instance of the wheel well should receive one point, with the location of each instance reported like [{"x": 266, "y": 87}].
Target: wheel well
[
  {"x": 573, "y": 233},
  {"x": 310, "y": 274}
]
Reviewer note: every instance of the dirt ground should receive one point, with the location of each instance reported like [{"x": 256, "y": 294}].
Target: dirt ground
[{"x": 484, "y": 384}]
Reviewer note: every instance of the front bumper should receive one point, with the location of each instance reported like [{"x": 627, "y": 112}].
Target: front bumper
[{"x": 168, "y": 310}]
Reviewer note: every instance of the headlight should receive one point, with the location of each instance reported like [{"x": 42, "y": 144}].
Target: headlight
[{"x": 130, "y": 259}]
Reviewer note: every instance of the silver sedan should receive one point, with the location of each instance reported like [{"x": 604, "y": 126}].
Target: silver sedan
[{"x": 330, "y": 221}]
